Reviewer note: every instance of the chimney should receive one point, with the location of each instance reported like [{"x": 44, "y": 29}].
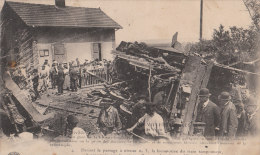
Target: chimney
[{"x": 60, "y": 3}]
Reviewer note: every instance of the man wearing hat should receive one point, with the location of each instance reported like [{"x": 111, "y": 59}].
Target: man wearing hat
[
  {"x": 241, "y": 117},
  {"x": 208, "y": 112},
  {"x": 252, "y": 115},
  {"x": 229, "y": 121},
  {"x": 153, "y": 123},
  {"x": 108, "y": 120}
]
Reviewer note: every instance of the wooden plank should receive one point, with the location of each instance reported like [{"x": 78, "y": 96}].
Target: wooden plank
[
  {"x": 24, "y": 100},
  {"x": 68, "y": 110},
  {"x": 85, "y": 104},
  {"x": 207, "y": 75},
  {"x": 204, "y": 82},
  {"x": 191, "y": 76}
]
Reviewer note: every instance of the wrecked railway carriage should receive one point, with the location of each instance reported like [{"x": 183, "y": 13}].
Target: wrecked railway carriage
[{"x": 172, "y": 80}]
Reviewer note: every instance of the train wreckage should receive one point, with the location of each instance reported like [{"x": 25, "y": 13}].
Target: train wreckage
[{"x": 169, "y": 79}]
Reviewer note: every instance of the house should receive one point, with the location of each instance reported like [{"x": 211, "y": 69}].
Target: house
[{"x": 32, "y": 33}]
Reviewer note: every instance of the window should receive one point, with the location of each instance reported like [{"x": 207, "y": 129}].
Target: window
[
  {"x": 96, "y": 53},
  {"x": 44, "y": 53},
  {"x": 59, "y": 49}
]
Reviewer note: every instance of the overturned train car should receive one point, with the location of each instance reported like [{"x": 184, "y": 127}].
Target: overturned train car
[{"x": 168, "y": 78}]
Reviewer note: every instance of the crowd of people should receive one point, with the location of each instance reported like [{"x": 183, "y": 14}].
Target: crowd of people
[
  {"x": 149, "y": 127},
  {"x": 60, "y": 76},
  {"x": 229, "y": 118}
]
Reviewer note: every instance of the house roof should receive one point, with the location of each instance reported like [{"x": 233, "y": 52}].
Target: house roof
[{"x": 51, "y": 15}]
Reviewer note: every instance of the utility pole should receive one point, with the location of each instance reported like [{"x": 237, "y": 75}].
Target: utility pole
[{"x": 201, "y": 18}]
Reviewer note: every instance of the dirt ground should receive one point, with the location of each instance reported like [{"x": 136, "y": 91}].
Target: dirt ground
[{"x": 76, "y": 103}]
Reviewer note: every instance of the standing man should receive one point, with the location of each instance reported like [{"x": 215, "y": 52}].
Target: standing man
[
  {"x": 60, "y": 80},
  {"x": 73, "y": 78},
  {"x": 241, "y": 118},
  {"x": 229, "y": 122},
  {"x": 108, "y": 120},
  {"x": 67, "y": 77},
  {"x": 153, "y": 123},
  {"x": 35, "y": 81},
  {"x": 47, "y": 68},
  {"x": 80, "y": 76},
  {"x": 54, "y": 74},
  {"x": 209, "y": 113},
  {"x": 252, "y": 115},
  {"x": 44, "y": 74}
]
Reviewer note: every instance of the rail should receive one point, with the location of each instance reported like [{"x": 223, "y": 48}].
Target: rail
[{"x": 95, "y": 77}]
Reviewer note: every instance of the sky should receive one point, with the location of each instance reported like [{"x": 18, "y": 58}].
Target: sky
[{"x": 158, "y": 20}]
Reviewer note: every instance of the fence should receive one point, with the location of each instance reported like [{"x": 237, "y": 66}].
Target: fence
[{"x": 95, "y": 76}]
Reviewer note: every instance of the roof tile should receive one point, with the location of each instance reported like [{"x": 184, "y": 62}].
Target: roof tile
[{"x": 50, "y": 15}]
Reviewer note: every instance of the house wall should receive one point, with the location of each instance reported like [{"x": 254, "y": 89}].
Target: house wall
[
  {"x": 83, "y": 51},
  {"x": 78, "y": 42},
  {"x": 44, "y": 47},
  {"x": 16, "y": 38}
]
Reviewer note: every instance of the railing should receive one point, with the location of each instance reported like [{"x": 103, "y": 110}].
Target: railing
[{"x": 95, "y": 77}]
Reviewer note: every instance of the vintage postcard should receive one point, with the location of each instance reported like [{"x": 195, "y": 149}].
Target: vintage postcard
[{"x": 135, "y": 77}]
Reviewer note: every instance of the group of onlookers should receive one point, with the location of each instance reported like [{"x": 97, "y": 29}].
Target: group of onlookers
[
  {"x": 71, "y": 76},
  {"x": 60, "y": 76},
  {"x": 228, "y": 118}
]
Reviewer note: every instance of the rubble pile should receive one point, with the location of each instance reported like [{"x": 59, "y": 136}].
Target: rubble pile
[
  {"x": 159, "y": 60},
  {"x": 139, "y": 70}
]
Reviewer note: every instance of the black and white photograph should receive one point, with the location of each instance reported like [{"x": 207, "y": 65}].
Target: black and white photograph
[{"x": 129, "y": 77}]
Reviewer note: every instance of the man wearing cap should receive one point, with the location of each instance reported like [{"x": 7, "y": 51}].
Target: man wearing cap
[
  {"x": 229, "y": 122},
  {"x": 108, "y": 120},
  {"x": 153, "y": 123},
  {"x": 208, "y": 112}
]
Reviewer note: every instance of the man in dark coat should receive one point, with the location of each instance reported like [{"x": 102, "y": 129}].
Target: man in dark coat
[
  {"x": 108, "y": 119},
  {"x": 73, "y": 78},
  {"x": 54, "y": 74},
  {"x": 35, "y": 81},
  {"x": 80, "y": 76},
  {"x": 229, "y": 121},
  {"x": 60, "y": 80},
  {"x": 241, "y": 117},
  {"x": 252, "y": 116},
  {"x": 209, "y": 113}
]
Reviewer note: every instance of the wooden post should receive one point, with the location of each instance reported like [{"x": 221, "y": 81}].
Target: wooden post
[
  {"x": 201, "y": 18},
  {"x": 149, "y": 84}
]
